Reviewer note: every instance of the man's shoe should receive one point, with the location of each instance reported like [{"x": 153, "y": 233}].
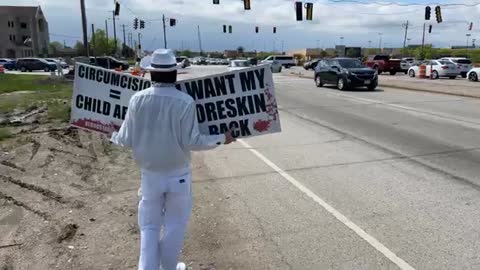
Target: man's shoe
[{"x": 181, "y": 266}]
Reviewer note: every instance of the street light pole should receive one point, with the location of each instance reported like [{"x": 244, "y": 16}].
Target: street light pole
[
  {"x": 84, "y": 27},
  {"x": 380, "y": 42},
  {"x": 468, "y": 39}
]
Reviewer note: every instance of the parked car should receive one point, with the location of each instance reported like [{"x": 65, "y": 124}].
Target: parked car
[
  {"x": 199, "y": 61},
  {"x": 383, "y": 63},
  {"x": 239, "y": 64},
  {"x": 30, "y": 64},
  {"x": 285, "y": 60},
  {"x": 109, "y": 62},
  {"x": 473, "y": 74},
  {"x": 406, "y": 63},
  {"x": 10, "y": 65},
  {"x": 62, "y": 63},
  {"x": 463, "y": 64},
  {"x": 345, "y": 73},
  {"x": 437, "y": 68},
  {"x": 4, "y": 60},
  {"x": 183, "y": 61},
  {"x": 311, "y": 64},
  {"x": 276, "y": 67}
]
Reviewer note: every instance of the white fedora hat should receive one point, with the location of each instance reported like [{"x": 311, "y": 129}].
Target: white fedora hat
[{"x": 162, "y": 60}]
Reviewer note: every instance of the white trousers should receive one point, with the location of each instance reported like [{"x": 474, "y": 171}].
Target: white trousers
[{"x": 163, "y": 214}]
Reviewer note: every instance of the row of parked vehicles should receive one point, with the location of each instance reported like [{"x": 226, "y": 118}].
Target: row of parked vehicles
[
  {"x": 450, "y": 67},
  {"x": 31, "y": 64}
]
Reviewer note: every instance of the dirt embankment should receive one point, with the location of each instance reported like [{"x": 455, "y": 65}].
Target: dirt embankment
[{"x": 67, "y": 200}]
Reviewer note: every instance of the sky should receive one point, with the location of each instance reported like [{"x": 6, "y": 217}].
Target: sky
[{"x": 335, "y": 22}]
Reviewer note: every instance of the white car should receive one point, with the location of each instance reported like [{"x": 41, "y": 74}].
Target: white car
[
  {"x": 285, "y": 60},
  {"x": 473, "y": 74},
  {"x": 239, "y": 64},
  {"x": 463, "y": 64},
  {"x": 438, "y": 68},
  {"x": 407, "y": 63}
]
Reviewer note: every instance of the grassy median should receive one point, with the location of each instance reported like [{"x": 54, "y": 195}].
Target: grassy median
[{"x": 19, "y": 92}]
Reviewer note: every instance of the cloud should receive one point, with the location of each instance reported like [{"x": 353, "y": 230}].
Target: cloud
[{"x": 357, "y": 23}]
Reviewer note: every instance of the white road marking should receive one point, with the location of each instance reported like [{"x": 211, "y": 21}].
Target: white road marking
[{"x": 339, "y": 216}]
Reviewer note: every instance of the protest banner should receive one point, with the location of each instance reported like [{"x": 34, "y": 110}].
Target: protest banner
[{"x": 242, "y": 100}]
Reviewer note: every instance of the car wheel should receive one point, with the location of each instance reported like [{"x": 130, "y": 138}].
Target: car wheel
[
  {"x": 23, "y": 69},
  {"x": 473, "y": 77},
  {"x": 434, "y": 75},
  {"x": 406, "y": 71},
  {"x": 453, "y": 77},
  {"x": 341, "y": 84},
  {"x": 464, "y": 75},
  {"x": 393, "y": 73},
  {"x": 411, "y": 73},
  {"x": 46, "y": 69},
  {"x": 287, "y": 66},
  {"x": 318, "y": 81},
  {"x": 372, "y": 87}
]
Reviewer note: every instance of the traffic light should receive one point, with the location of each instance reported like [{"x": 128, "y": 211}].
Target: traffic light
[
  {"x": 256, "y": 29},
  {"x": 230, "y": 29},
  {"x": 216, "y": 2},
  {"x": 117, "y": 8},
  {"x": 246, "y": 4},
  {"x": 309, "y": 8},
  {"x": 274, "y": 30},
  {"x": 224, "y": 28},
  {"x": 470, "y": 27},
  {"x": 173, "y": 22},
  {"x": 438, "y": 13},
  {"x": 428, "y": 10},
  {"x": 135, "y": 23},
  {"x": 142, "y": 24},
  {"x": 430, "y": 29},
  {"x": 298, "y": 9}
]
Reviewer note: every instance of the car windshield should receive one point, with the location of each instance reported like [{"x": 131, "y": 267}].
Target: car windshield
[{"x": 350, "y": 63}]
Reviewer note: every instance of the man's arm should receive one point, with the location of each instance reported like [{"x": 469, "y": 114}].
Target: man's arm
[
  {"x": 124, "y": 136},
  {"x": 193, "y": 140}
]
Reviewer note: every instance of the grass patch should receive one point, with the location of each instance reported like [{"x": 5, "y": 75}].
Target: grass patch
[
  {"x": 20, "y": 82},
  {"x": 5, "y": 134}
]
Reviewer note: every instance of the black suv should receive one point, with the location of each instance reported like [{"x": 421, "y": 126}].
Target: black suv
[
  {"x": 345, "y": 73},
  {"x": 31, "y": 64},
  {"x": 108, "y": 62}
]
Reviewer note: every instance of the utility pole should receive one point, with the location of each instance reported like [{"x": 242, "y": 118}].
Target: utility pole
[
  {"x": 380, "y": 42},
  {"x": 423, "y": 39},
  {"x": 84, "y": 27},
  {"x": 106, "y": 31},
  {"x": 93, "y": 40},
  {"x": 65, "y": 44},
  {"x": 124, "y": 40},
  {"x": 139, "y": 44},
  {"x": 114, "y": 32},
  {"x": 282, "y": 47},
  {"x": 199, "y": 40},
  {"x": 405, "y": 38},
  {"x": 164, "y": 31}
]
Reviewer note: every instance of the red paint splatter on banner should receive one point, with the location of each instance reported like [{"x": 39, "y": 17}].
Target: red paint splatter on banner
[
  {"x": 261, "y": 125},
  {"x": 95, "y": 125}
]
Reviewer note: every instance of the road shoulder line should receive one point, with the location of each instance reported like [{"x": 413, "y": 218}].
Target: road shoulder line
[{"x": 339, "y": 216}]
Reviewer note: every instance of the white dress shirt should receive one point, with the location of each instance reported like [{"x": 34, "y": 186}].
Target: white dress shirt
[{"x": 161, "y": 127}]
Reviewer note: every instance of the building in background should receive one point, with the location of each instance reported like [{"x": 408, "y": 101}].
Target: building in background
[{"x": 23, "y": 32}]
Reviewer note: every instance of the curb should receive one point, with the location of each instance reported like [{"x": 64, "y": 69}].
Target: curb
[{"x": 404, "y": 88}]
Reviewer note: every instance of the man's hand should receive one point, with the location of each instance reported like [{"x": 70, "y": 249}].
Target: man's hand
[{"x": 229, "y": 137}]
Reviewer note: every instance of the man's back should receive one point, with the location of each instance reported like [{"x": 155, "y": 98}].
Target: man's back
[{"x": 161, "y": 128}]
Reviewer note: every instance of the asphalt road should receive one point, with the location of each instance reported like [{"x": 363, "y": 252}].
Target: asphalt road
[{"x": 356, "y": 180}]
